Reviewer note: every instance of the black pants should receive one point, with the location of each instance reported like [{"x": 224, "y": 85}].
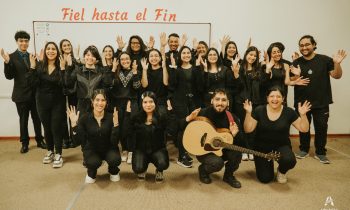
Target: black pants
[
  {"x": 182, "y": 109},
  {"x": 127, "y": 142},
  {"x": 140, "y": 160},
  {"x": 93, "y": 161},
  {"x": 320, "y": 117},
  {"x": 213, "y": 163},
  {"x": 23, "y": 109},
  {"x": 51, "y": 112},
  {"x": 265, "y": 169}
]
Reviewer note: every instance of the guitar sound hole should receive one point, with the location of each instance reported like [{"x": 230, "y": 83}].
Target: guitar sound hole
[{"x": 216, "y": 142}]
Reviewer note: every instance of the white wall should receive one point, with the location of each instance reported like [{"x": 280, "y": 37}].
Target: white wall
[{"x": 265, "y": 21}]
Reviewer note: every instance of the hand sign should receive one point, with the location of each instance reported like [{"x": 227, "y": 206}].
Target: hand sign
[
  {"x": 5, "y": 56},
  {"x": 295, "y": 71},
  {"x": 134, "y": 67},
  {"x": 151, "y": 42},
  {"x": 247, "y": 105},
  {"x": 233, "y": 128},
  {"x": 339, "y": 57},
  {"x": 303, "y": 109},
  {"x": 115, "y": 64},
  {"x": 144, "y": 64},
  {"x": 62, "y": 62},
  {"x": 120, "y": 42},
  {"x": 73, "y": 115},
  {"x": 172, "y": 59},
  {"x": 32, "y": 59},
  {"x": 302, "y": 81},
  {"x": 193, "y": 115},
  {"x": 163, "y": 39},
  {"x": 225, "y": 39}
]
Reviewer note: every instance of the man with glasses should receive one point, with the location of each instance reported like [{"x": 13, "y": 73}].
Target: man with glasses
[{"x": 318, "y": 68}]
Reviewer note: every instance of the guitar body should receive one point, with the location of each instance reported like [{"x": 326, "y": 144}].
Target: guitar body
[{"x": 200, "y": 134}]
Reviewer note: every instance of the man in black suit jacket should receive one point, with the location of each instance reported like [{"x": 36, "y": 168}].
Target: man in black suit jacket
[{"x": 16, "y": 66}]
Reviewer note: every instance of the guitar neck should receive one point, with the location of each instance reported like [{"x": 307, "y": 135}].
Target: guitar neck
[{"x": 243, "y": 150}]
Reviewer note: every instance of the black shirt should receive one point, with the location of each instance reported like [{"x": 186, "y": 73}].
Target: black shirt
[
  {"x": 156, "y": 85},
  {"x": 273, "y": 134},
  {"x": 125, "y": 85},
  {"x": 318, "y": 92},
  {"x": 96, "y": 138}
]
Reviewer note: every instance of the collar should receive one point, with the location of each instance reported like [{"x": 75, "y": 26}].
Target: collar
[
  {"x": 23, "y": 54},
  {"x": 92, "y": 70}
]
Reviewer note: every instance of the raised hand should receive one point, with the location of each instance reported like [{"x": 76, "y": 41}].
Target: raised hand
[
  {"x": 69, "y": 60},
  {"x": 248, "y": 107},
  {"x": 302, "y": 81},
  {"x": 295, "y": 70},
  {"x": 128, "y": 106},
  {"x": 249, "y": 42},
  {"x": 204, "y": 63},
  {"x": 193, "y": 115},
  {"x": 194, "y": 43},
  {"x": 144, "y": 64},
  {"x": 225, "y": 39},
  {"x": 269, "y": 64},
  {"x": 120, "y": 42},
  {"x": 103, "y": 58},
  {"x": 295, "y": 56},
  {"x": 184, "y": 39},
  {"x": 163, "y": 39},
  {"x": 32, "y": 59},
  {"x": 233, "y": 128},
  {"x": 115, "y": 117},
  {"x": 151, "y": 42},
  {"x": 41, "y": 55},
  {"x": 134, "y": 67},
  {"x": 5, "y": 56},
  {"x": 73, "y": 115},
  {"x": 235, "y": 65},
  {"x": 115, "y": 64},
  {"x": 62, "y": 62},
  {"x": 303, "y": 109},
  {"x": 77, "y": 52},
  {"x": 339, "y": 57}
]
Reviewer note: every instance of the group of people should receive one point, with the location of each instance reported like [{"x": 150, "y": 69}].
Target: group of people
[{"x": 141, "y": 97}]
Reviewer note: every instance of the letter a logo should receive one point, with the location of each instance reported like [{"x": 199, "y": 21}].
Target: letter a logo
[{"x": 329, "y": 200}]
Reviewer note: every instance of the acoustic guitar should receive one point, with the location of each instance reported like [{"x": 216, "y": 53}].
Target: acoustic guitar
[{"x": 201, "y": 137}]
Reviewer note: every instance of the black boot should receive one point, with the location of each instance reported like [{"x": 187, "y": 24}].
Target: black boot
[
  {"x": 203, "y": 175},
  {"x": 231, "y": 180},
  {"x": 24, "y": 148},
  {"x": 41, "y": 144},
  {"x": 65, "y": 144}
]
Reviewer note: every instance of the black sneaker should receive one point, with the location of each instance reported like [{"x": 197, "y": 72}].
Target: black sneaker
[
  {"x": 41, "y": 144},
  {"x": 24, "y": 148},
  {"x": 203, "y": 176},
  {"x": 65, "y": 144},
  {"x": 188, "y": 157},
  {"x": 232, "y": 181},
  {"x": 184, "y": 162}
]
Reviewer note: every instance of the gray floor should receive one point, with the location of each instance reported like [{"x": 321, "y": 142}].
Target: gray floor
[{"x": 26, "y": 183}]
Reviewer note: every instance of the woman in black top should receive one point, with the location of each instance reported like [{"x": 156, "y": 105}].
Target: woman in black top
[
  {"x": 99, "y": 131},
  {"x": 185, "y": 88},
  {"x": 85, "y": 79},
  {"x": 272, "y": 123},
  {"x": 108, "y": 58},
  {"x": 149, "y": 127},
  {"x": 47, "y": 77},
  {"x": 66, "y": 50},
  {"x": 277, "y": 71},
  {"x": 216, "y": 75},
  {"x": 126, "y": 81}
]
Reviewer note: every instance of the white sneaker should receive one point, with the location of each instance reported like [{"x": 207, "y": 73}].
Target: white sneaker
[
  {"x": 129, "y": 160},
  {"x": 124, "y": 156},
  {"x": 58, "y": 161},
  {"x": 251, "y": 157},
  {"x": 141, "y": 176},
  {"x": 281, "y": 178},
  {"x": 244, "y": 156},
  {"x": 114, "y": 178},
  {"x": 89, "y": 180},
  {"x": 48, "y": 158}
]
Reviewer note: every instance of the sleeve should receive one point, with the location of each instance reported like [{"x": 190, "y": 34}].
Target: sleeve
[
  {"x": 107, "y": 78},
  {"x": 239, "y": 138},
  {"x": 199, "y": 78},
  {"x": 173, "y": 74},
  {"x": 292, "y": 115},
  {"x": 136, "y": 80},
  {"x": 80, "y": 133},
  {"x": 70, "y": 77},
  {"x": 330, "y": 64},
  {"x": 9, "y": 70},
  {"x": 256, "y": 113},
  {"x": 32, "y": 77},
  {"x": 115, "y": 135}
]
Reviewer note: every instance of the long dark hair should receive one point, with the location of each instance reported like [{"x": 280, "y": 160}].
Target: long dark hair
[
  {"x": 218, "y": 62},
  {"x": 269, "y": 53},
  {"x": 255, "y": 65},
  {"x": 160, "y": 55},
  {"x": 45, "y": 62},
  {"x": 143, "y": 47},
  {"x": 141, "y": 116},
  {"x": 61, "y": 47},
  {"x": 179, "y": 61},
  {"x": 226, "y": 47}
]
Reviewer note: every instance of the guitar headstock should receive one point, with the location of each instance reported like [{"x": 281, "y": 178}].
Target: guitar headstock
[{"x": 274, "y": 155}]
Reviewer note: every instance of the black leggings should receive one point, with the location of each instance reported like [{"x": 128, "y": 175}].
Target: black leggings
[
  {"x": 265, "y": 169},
  {"x": 93, "y": 161},
  {"x": 51, "y": 109},
  {"x": 140, "y": 160}
]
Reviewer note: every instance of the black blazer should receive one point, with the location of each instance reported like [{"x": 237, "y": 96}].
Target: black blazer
[{"x": 16, "y": 69}]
